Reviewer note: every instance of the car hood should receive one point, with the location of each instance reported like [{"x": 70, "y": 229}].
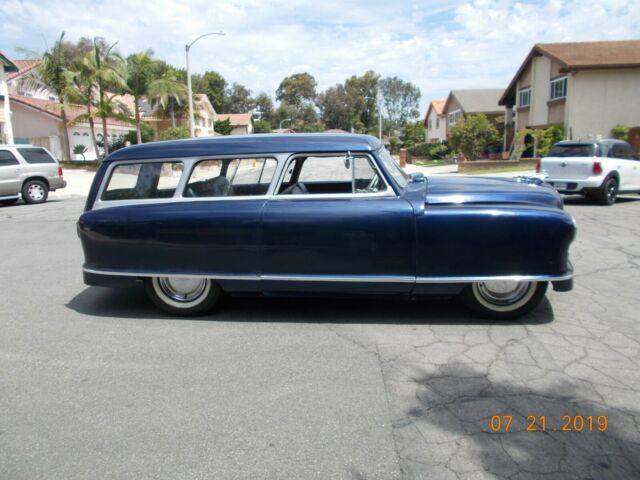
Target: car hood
[{"x": 491, "y": 190}]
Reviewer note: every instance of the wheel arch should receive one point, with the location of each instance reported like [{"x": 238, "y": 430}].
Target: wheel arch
[{"x": 36, "y": 177}]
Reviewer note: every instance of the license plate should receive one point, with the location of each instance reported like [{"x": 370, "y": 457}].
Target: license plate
[{"x": 560, "y": 185}]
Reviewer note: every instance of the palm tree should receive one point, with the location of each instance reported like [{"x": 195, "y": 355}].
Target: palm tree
[
  {"x": 166, "y": 91},
  {"x": 108, "y": 71},
  {"x": 80, "y": 89},
  {"x": 50, "y": 75},
  {"x": 140, "y": 72}
]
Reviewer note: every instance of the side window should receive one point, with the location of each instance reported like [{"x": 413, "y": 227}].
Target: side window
[
  {"x": 231, "y": 178},
  {"x": 140, "y": 181},
  {"x": 332, "y": 175},
  {"x": 36, "y": 155},
  {"x": 7, "y": 158}
]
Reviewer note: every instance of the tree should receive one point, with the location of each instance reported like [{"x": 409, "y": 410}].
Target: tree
[
  {"x": 166, "y": 92},
  {"x": 147, "y": 134},
  {"x": 213, "y": 85},
  {"x": 337, "y": 108},
  {"x": 261, "y": 126},
  {"x": 296, "y": 89},
  {"x": 238, "y": 99},
  {"x": 140, "y": 74},
  {"x": 363, "y": 92},
  {"x": 400, "y": 100},
  {"x": 472, "y": 135},
  {"x": 50, "y": 75},
  {"x": 413, "y": 134},
  {"x": 175, "y": 133},
  {"x": 264, "y": 107},
  {"x": 223, "y": 127}
]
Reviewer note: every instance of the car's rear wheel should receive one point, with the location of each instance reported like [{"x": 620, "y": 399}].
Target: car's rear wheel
[
  {"x": 608, "y": 192},
  {"x": 503, "y": 299},
  {"x": 35, "y": 191},
  {"x": 183, "y": 296}
]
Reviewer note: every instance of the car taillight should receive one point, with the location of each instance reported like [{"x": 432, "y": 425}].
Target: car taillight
[
  {"x": 538, "y": 166},
  {"x": 59, "y": 171},
  {"x": 597, "y": 168}
]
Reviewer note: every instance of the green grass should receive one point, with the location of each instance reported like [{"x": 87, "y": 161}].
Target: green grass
[
  {"x": 429, "y": 163},
  {"x": 514, "y": 168}
]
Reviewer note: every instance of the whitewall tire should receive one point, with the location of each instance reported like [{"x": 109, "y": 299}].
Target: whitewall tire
[
  {"x": 183, "y": 296},
  {"x": 503, "y": 299}
]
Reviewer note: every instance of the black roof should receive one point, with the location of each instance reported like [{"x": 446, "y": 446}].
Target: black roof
[{"x": 249, "y": 145}]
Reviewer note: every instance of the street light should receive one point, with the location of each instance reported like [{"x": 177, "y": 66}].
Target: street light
[
  {"x": 379, "y": 115},
  {"x": 282, "y": 121},
  {"x": 189, "y": 92}
]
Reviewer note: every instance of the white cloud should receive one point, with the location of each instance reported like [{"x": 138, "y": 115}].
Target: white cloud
[{"x": 437, "y": 45}]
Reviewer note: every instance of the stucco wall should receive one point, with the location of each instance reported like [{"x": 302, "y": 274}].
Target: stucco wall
[
  {"x": 28, "y": 122},
  {"x": 439, "y": 133},
  {"x": 600, "y": 99},
  {"x": 541, "y": 73}
]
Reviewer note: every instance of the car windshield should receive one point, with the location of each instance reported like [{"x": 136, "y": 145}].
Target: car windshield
[
  {"x": 393, "y": 168},
  {"x": 584, "y": 150}
]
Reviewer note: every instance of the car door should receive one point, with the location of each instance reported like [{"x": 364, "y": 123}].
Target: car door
[
  {"x": 10, "y": 167},
  {"x": 625, "y": 164},
  {"x": 334, "y": 225}
]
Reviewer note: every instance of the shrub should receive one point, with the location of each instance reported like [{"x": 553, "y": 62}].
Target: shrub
[
  {"x": 175, "y": 133},
  {"x": 430, "y": 149},
  {"x": 261, "y": 126},
  {"x": 621, "y": 132},
  {"x": 223, "y": 127},
  {"x": 472, "y": 135},
  {"x": 146, "y": 132},
  {"x": 547, "y": 137}
]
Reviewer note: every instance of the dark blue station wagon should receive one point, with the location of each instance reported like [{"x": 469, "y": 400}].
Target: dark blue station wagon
[{"x": 317, "y": 214}]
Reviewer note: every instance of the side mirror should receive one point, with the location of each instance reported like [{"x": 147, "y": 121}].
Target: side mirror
[{"x": 418, "y": 177}]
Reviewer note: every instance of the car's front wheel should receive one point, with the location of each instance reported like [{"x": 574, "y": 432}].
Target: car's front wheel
[
  {"x": 35, "y": 191},
  {"x": 503, "y": 299},
  {"x": 183, "y": 296}
]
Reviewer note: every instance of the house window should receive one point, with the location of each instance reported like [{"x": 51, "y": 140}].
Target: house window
[
  {"x": 454, "y": 117},
  {"x": 429, "y": 124},
  {"x": 558, "y": 88},
  {"x": 437, "y": 123},
  {"x": 524, "y": 97}
]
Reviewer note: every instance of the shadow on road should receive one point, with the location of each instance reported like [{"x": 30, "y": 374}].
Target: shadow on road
[
  {"x": 133, "y": 303},
  {"x": 456, "y": 403}
]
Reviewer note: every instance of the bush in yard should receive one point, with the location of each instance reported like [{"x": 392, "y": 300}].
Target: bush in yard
[
  {"x": 472, "y": 135},
  {"x": 413, "y": 134},
  {"x": 146, "y": 132},
  {"x": 393, "y": 145},
  {"x": 223, "y": 127},
  {"x": 547, "y": 137},
  {"x": 434, "y": 150},
  {"x": 175, "y": 133},
  {"x": 621, "y": 132},
  {"x": 261, "y": 126}
]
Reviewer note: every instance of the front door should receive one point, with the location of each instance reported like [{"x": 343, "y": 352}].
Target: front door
[{"x": 333, "y": 225}]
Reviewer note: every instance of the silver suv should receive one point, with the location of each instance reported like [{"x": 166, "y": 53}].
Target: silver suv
[{"x": 28, "y": 171}]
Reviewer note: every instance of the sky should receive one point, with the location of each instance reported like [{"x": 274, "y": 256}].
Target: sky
[{"x": 437, "y": 45}]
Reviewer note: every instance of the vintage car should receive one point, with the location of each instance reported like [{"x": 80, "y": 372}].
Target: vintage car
[{"x": 310, "y": 214}]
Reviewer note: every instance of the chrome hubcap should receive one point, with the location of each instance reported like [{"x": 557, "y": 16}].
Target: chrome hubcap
[
  {"x": 503, "y": 292},
  {"x": 182, "y": 289},
  {"x": 36, "y": 192},
  {"x": 611, "y": 191}
]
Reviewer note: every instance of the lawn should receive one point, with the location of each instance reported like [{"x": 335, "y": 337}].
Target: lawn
[{"x": 512, "y": 168}]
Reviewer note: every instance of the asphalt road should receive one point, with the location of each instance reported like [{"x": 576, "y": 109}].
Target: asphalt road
[{"x": 95, "y": 383}]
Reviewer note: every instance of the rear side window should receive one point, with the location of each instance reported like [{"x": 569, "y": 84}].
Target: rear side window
[
  {"x": 231, "y": 177},
  {"x": 140, "y": 181},
  {"x": 7, "y": 158},
  {"x": 622, "y": 150},
  {"x": 36, "y": 155},
  {"x": 587, "y": 150}
]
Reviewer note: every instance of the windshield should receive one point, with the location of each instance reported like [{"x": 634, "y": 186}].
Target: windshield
[
  {"x": 393, "y": 168},
  {"x": 584, "y": 150}
]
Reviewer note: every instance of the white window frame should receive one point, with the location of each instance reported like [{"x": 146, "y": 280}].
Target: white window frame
[
  {"x": 524, "y": 92},
  {"x": 454, "y": 117},
  {"x": 556, "y": 81}
]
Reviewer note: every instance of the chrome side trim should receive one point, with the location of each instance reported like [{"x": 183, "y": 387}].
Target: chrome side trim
[
  {"x": 341, "y": 278},
  {"x": 515, "y": 278}
]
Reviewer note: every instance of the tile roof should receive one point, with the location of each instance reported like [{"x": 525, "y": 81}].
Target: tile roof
[
  {"x": 241, "y": 119},
  {"x": 23, "y": 67},
  {"x": 580, "y": 56},
  {"x": 54, "y": 109}
]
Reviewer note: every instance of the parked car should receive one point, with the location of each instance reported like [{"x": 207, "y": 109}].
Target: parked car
[
  {"x": 29, "y": 172},
  {"x": 313, "y": 214},
  {"x": 599, "y": 169}
]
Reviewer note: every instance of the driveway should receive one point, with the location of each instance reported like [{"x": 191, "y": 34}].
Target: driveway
[{"x": 96, "y": 383}]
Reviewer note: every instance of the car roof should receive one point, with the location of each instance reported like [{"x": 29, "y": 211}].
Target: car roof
[
  {"x": 605, "y": 141},
  {"x": 248, "y": 145}
]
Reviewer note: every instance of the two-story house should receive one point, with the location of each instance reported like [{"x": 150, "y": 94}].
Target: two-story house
[
  {"x": 461, "y": 103},
  {"x": 435, "y": 125},
  {"x": 587, "y": 87},
  {"x": 6, "y": 127}
]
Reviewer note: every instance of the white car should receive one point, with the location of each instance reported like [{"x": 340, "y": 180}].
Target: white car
[{"x": 599, "y": 169}]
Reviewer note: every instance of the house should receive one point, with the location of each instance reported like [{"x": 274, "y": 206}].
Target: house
[
  {"x": 435, "y": 127},
  {"x": 27, "y": 69},
  {"x": 461, "y": 103},
  {"x": 242, "y": 123},
  {"x": 587, "y": 87},
  {"x": 39, "y": 122},
  {"x": 7, "y": 67}
]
